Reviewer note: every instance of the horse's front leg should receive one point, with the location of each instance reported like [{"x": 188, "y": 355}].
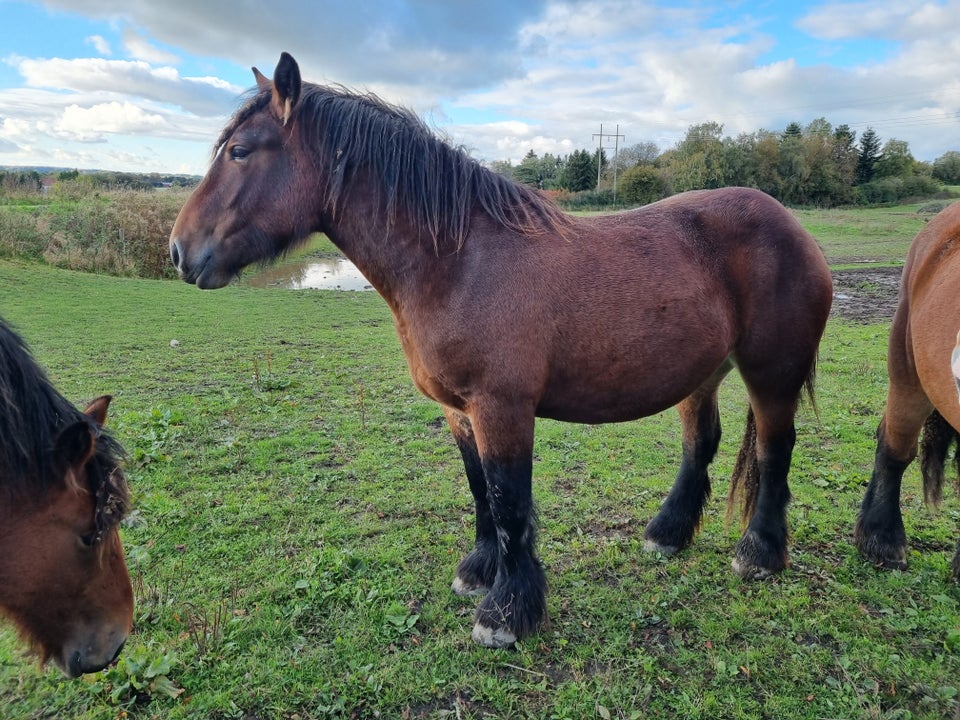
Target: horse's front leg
[
  {"x": 478, "y": 569},
  {"x": 879, "y": 533},
  {"x": 680, "y": 516},
  {"x": 516, "y": 601}
]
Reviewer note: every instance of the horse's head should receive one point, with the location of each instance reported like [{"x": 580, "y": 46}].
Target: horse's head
[
  {"x": 249, "y": 206},
  {"x": 65, "y": 581}
]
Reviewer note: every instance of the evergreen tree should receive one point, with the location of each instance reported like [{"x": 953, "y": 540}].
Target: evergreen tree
[
  {"x": 528, "y": 171},
  {"x": 844, "y": 153},
  {"x": 793, "y": 130},
  {"x": 579, "y": 172},
  {"x": 868, "y": 156}
]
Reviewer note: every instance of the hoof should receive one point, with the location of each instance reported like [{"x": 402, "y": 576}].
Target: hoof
[
  {"x": 888, "y": 564},
  {"x": 882, "y": 554},
  {"x": 757, "y": 558},
  {"x": 465, "y": 589},
  {"x": 489, "y": 637},
  {"x": 747, "y": 571},
  {"x": 652, "y": 546}
]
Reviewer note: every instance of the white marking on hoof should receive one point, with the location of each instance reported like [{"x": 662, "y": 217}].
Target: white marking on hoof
[
  {"x": 493, "y": 637},
  {"x": 652, "y": 546},
  {"x": 750, "y": 572},
  {"x": 464, "y": 590}
]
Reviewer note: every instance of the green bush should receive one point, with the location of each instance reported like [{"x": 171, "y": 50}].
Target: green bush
[{"x": 115, "y": 232}]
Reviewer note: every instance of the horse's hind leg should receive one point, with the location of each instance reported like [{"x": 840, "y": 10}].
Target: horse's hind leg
[
  {"x": 879, "y": 533},
  {"x": 680, "y": 516},
  {"x": 768, "y": 448},
  {"x": 478, "y": 569}
]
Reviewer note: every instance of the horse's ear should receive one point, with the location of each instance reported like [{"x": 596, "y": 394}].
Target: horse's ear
[
  {"x": 75, "y": 445},
  {"x": 263, "y": 81},
  {"x": 286, "y": 86},
  {"x": 97, "y": 410}
]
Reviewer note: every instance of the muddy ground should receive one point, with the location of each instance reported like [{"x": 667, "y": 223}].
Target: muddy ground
[{"x": 867, "y": 295}]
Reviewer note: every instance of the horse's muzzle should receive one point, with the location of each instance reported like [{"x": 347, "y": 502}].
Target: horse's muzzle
[{"x": 202, "y": 269}]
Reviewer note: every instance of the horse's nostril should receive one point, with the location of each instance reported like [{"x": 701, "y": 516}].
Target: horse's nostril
[{"x": 175, "y": 253}]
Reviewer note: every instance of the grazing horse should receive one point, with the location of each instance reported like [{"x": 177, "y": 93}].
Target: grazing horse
[
  {"x": 63, "y": 578},
  {"x": 923, "y": 363},
  {"x": 507, "y": 310}
]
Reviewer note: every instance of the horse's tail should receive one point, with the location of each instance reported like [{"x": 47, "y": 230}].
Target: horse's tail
[
  {"x": 745, "y": 481},
  {"x": 938, "y": 436}
]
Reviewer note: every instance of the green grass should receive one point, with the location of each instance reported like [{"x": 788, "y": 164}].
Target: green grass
[
  {"x": 879, "y": 236},
  {"x": 300, "y": 510}
]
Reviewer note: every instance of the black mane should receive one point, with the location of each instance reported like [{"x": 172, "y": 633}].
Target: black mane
[
  {"x": 422, "y": 178},
  {"x": 32, "y": 414}
]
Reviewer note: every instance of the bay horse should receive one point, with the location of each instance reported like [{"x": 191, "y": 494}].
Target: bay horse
[
  {"x": 923, "y": 365},
  {"x": 508, "y": 309},
  {"x": 63, "y": 578}
]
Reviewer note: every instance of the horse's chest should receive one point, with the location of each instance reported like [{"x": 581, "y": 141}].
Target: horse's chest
[{"x": 432, "y": 370}]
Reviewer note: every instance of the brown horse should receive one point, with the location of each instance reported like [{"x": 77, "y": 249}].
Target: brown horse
[
  {"x": 508, "y": 310},
  {"x": 63, "y": 579},
  {"x": 923, "y": 362}
]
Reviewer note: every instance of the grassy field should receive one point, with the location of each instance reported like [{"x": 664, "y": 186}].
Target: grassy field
[
  {"x": 300, "y": 510},
  {"x": 857, "y": 236}
]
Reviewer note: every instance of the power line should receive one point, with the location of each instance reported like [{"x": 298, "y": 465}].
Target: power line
[{"x": 600, "y": 147}]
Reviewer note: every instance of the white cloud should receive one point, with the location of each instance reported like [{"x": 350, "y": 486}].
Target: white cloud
[
  {"x": 140, "y": 48},
  {"x": 99, "y": 44},
  {"x": 92, "y": 123},
  {"x": 406, "y": 43},
  {"x": 136, "y": 78},
  {"x": 905, "y": 20}
]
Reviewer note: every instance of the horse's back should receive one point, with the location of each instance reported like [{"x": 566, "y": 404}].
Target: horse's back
[
  {"x": 733, "y": 225},
  {"x": 746, "y": 251}
]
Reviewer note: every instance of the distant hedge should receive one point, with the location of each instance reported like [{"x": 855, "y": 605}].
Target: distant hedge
[{"x": 115, "y": 232}]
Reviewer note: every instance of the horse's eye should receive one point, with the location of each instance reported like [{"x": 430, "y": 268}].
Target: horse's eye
[
  {"x": 88, "y": 541},
  {"x": 239, "y": 152}
]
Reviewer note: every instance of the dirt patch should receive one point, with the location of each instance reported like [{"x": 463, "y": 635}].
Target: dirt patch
[{"x": 865, "y": 296}]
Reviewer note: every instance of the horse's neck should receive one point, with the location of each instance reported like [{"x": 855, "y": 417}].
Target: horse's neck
[{"x": 396, "y": 257}]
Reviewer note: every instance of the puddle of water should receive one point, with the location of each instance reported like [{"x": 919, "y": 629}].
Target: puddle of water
[{"x": 310, "y": 272}]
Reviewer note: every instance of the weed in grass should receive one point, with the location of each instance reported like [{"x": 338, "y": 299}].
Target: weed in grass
[
  {"x": 157, "y": 437},
  {"x": 141, "y": 674},
  {"x": 267, "y": 380}
]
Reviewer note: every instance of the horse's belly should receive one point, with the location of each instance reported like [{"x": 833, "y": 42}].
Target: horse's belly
[{"x": 629, "y": 391}]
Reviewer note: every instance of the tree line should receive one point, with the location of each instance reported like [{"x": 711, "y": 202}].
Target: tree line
[
  {"x": 813, "y": 165},
  {"x": 28, "y": 181}
]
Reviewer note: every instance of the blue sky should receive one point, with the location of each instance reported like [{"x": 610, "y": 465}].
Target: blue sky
[{"x": 145, "y": 86}]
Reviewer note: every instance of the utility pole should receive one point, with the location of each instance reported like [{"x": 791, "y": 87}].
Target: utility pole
[{"x": 602, "y": 137}]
